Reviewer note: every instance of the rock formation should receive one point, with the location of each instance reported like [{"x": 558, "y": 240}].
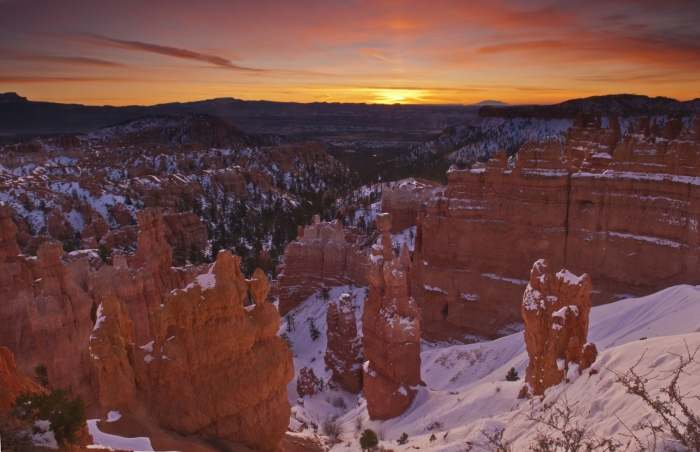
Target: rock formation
[
  {"x": 185, "y": 232},
  {"x": 555, "y": 310},
  {"x": 143, "y": 284},
  {"x": 13, "y": 380},
  {"x": 622, "y": 209},
  {"x": 405, "y": 200},
  {"x": 320, "y": 256},
  {"x": 344, "y": 348},
  {"x": 112, "y": 353},
  {"x": 391, "y": 332},
  {"x": 45, "y": 314},
  {"x": 308, "y": 383},
  {"x": 215, "y": 367}
]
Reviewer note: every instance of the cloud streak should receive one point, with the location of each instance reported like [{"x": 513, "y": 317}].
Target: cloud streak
[{"x": 169, "y": 51}]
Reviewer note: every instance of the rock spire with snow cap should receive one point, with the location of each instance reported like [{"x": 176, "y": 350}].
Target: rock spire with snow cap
[
  {"x": 555, "y": 310},
  {"x": 391, "y": 332}
]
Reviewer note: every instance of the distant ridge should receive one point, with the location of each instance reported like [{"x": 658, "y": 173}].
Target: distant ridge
[
  {"x": 22, "y": 117},
  {"x": 624, "y": 105}
]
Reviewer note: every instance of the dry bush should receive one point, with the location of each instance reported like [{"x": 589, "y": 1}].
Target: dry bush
[
  {"x": 496, "y": 442},
  {"x": 359, "y": 422},
  {"x": 333, "y": 428},
  {"x": 676, "y": 418},
  {"x": 563, "y": 433},
  {"x": 339, "y": 402}
]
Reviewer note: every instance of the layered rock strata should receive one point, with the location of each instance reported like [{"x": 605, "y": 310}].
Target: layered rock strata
[
  {"x": 405, "y": 200},
  {"x": 344, "y": 354},
  {"x": 622, "y": 209},
  {"x": 555, "y": 309},
  {"x": 319, "y": 257},
  {"x": 214, "y": 367},
  {"x": 391, "y": 332}
]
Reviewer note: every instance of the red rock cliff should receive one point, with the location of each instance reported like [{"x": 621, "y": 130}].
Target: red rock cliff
[{"x": 628, "y": 219}]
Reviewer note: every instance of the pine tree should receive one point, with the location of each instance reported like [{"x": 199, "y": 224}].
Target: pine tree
[
  {"x": 315, "y": 333},
  {"x": 512, "y": 375},
  {"x": 368, "y": 439},
  {"x": 41, "y": 375}
]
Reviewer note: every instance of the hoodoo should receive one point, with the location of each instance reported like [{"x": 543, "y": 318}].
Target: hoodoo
[
  {"x": 555, "y": 310},
  {"x": 391, "y": 332},
  {"x": 344, "y": 350},
  {"x": 214, "y": 368}
]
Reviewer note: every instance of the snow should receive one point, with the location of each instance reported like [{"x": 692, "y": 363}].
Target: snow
[
  {"x": 207, "y": 280},
  {"x": 569, "y": 278},
  {"x": 434, "y": 289},
  {"x": 466, "y": 389},
  {"x": 44, "y": 437},
  {"x": 116, "y": 442},
  {"x": 113, "y": 416},
  {"x": 148, "y": 347}
]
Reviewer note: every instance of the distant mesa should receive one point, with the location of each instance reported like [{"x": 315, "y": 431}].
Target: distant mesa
[
  {"x": 7, "y": 98},
  {"x": 490, "y": 103}
]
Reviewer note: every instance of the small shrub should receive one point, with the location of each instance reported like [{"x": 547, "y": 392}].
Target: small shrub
[
  {"x": 41, "y": 375},
  {"x": 512, "y": 375},
  {"x": 66, "y": 417},
  {"x": 403, "y": 439},
  {"x": 437, "y": 425},
  {"x": 332, "y": 427},
  {"x": 433, "y": 438},
  {"x": 359, "y": 421},
  {"x": 325, "y": 294},
  {"x": 368, "y": 439},
  {"x": 290, "y": 323},
  {"x": 339, "y": 402}
]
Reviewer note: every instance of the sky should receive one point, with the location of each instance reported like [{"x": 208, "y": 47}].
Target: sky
[{"x": 144, "y": 52}]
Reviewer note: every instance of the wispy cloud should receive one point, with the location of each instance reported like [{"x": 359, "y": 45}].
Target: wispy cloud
[
  {"x": 170, "y": 51},
  {"x": 65, "y": 59}
]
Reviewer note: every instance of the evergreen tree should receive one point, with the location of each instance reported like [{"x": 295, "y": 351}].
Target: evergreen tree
[
  {"x": 368, "y": 439},
  {"x": 41, "y": 375},
  {"x": 512, "y": 375}
]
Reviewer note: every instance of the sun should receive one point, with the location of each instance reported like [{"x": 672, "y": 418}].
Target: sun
[{"x": 397, "y": 96}]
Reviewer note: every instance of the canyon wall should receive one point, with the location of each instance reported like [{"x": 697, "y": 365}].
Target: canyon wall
[
  {"x": 624, "y": 210},
  {"x": 320, "y": 257}
]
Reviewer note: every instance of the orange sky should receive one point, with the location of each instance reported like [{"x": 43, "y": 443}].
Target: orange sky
[{"x": 440, "y": 51}]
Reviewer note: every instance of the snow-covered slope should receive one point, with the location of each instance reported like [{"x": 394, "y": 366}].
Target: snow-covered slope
[{"x": 466, "y": 388}]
